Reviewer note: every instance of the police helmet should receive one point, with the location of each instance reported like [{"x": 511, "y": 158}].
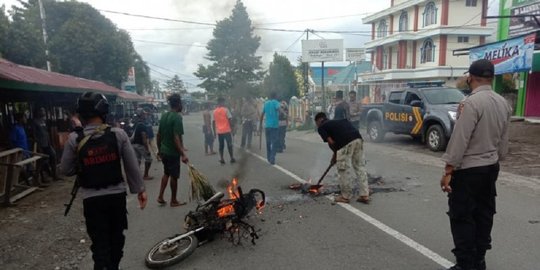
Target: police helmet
[{"x": 92, "y": 104}]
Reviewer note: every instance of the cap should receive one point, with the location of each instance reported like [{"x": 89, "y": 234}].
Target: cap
[{"x": 482, "y": 68}]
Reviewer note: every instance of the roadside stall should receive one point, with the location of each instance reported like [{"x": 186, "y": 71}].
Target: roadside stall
[{"x": 25, "y": 89}]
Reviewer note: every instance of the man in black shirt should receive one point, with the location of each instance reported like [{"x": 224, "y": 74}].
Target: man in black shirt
[{"x": 347, "y": 145}]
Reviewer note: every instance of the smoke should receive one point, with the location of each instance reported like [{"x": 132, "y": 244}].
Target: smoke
[{"x": 204, "y": 11}]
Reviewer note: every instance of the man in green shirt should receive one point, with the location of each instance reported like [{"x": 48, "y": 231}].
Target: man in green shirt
[{"x": 171, "y": 148}]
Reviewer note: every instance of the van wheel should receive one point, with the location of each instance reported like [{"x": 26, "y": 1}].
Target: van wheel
[
  {"x": 435, "y": 139},
  {"x": 375, "y": 131}
]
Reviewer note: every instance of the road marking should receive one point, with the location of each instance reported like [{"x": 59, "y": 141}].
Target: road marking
[{"x": 383, "y": 227}]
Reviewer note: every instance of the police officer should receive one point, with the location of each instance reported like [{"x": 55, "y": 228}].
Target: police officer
[
  {"x": 478, "y": 142},
  {"x": 94, "y": 154}
]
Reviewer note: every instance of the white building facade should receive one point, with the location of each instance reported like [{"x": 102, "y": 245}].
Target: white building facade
[{"x": 413, "y": 40}]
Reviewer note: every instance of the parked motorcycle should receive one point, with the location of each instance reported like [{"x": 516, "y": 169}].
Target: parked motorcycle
[{"x": 210, "y": 218}]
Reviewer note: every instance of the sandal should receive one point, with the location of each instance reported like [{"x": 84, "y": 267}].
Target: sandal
[
  {"x": 176, "y": 204},
  {"x": 161, "y": 201},
  {"x": 363, "y": 199},
  {"x": 341, "y": 199}
]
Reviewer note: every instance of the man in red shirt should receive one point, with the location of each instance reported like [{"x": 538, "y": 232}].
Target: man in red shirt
[{"x": 222, "y": 128}]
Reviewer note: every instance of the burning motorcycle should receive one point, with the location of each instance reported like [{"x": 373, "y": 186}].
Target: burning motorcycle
[{"x": 214, "y": 216}]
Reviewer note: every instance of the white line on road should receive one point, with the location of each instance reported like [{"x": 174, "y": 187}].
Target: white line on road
[{"x": 383, "y": 227}]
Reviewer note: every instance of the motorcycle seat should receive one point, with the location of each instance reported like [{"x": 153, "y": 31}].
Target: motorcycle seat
[{"x": 216, "y": 198}]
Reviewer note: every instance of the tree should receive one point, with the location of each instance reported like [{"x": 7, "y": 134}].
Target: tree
[
  {"x": 176, "y": 85},
  {"x": 25, "y": 44},
  {"x": 156, "y": 86},
  {"x": 198, "y": 94},
  {"x": 142, "y": 76},
  {"x": 302, "y": 74},
  {"x": 281, "y": 78},
  {"x": 232, "y": 51},
  {"x": 4, "y": 28},
  {"x": 82, "y": 43}
]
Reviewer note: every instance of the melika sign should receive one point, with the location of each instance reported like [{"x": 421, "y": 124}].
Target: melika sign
[{"x": 509, "y": 56}]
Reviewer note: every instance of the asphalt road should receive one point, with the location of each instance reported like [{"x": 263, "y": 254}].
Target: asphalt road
[{"x": 405, "y": 229}]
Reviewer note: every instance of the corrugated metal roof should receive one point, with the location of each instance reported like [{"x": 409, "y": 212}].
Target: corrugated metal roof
[
  {"x": 26, "y": 74},
  {"x": 131, "y": 96}
]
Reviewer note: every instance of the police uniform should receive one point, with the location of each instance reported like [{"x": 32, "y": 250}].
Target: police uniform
[
  {"x": 479, "y": 140},
  {"x": 97, "y": 152}
]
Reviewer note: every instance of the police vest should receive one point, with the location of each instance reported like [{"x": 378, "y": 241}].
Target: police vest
[{"x": 99, "y": 162}]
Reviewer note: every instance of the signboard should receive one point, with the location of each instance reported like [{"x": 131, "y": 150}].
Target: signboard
[
  {"x": 319, "y": 50},
  {"x": 516, "y": 3},
  {"x": 509, "y": 56},
  {"x": 355, "y": 54},
  {"x": 129, "y": 85},
  {"x": 524, "y": 25}
]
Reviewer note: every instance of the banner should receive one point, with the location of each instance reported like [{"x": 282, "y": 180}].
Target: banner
[
  {"x": 129, "y": 85},
  {"x": 319, "y": 50},
  {"x": 524, "y": 25},
  {"x": 509, "y": 56},
  {"x": 355, "y": 54}
]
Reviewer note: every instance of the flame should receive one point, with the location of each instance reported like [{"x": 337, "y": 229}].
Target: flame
[
  {"x": 232, "y": 189},
  {"x": 225, "y": 210},
  {"x": 314, "y": 190},
  {"x": 228, "y": 209},
  {"x": 259, "y": 206}
]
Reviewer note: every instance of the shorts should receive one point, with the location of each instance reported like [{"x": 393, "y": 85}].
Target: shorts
[
  {"x": 142, "y": 153},
  {"x": 171, "y": 165}
]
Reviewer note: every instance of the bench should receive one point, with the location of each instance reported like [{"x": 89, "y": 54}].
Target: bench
[{"x": 12, "y": 161}]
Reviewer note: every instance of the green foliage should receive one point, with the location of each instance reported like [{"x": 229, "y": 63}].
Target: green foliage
[
  {"x": 302, "y": 71},
  {"x": 232, "y": 51},
  {"x": 156, "y": 86},
  {"x": 142, "y": 76},
  {"x": 4, "y": 29},
  {"x": 198, "y": 94},
  {"x": 176, "y": 85},
  {"x": 281, "y": 78},
  {"x": 25, "y": 44},
  {"x": 81, "y": 42}
]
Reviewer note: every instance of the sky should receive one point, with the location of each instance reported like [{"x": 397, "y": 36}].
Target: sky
[{"x": 171, "y": 48}]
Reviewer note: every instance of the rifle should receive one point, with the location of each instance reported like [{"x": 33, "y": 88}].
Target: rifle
[
  {"x": 74, "y": 190},
  {"x": 81, "y": 140}
]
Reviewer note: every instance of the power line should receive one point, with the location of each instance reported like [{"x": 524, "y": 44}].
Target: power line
[
  {"x": 155, "y": 18},
  {"x": 172, "y": 71},
  {"x": 317, "y": 19},
  {"x": 169, "y": 29},
  {"x": 194, "y": 45},
  {"x": 290, "y": 46}
]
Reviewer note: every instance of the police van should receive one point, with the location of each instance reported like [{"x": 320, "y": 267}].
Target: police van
[{"x": 424, "y": 110}]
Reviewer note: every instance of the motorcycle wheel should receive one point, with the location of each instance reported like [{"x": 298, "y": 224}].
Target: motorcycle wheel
[{"x": 163, "y": 255}]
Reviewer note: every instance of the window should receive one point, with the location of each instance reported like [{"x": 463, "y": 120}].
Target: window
[
  {"x": 395, "y": 97},
  {"x": 430, "y": 14},
  {"x": 470, "y": 3},
  {"x": 410, "y": 97},
  {"x": 382, "y": 30},
  {"x": 385, "y": 59},
  {"x": 403, "y": 22},
  {"x": 463, "y": 39},
  {"x": 427, "y": 51}
]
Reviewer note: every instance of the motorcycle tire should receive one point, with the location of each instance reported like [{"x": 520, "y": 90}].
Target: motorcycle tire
[{"x": 161, "y": 255}]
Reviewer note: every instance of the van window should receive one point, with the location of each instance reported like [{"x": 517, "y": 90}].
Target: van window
[
  {"x": 411, "y": 97},
  {"x": 395, "y": 97}
]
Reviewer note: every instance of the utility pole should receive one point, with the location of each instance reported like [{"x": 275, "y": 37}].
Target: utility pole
[{"x": 44, "y": 30}]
